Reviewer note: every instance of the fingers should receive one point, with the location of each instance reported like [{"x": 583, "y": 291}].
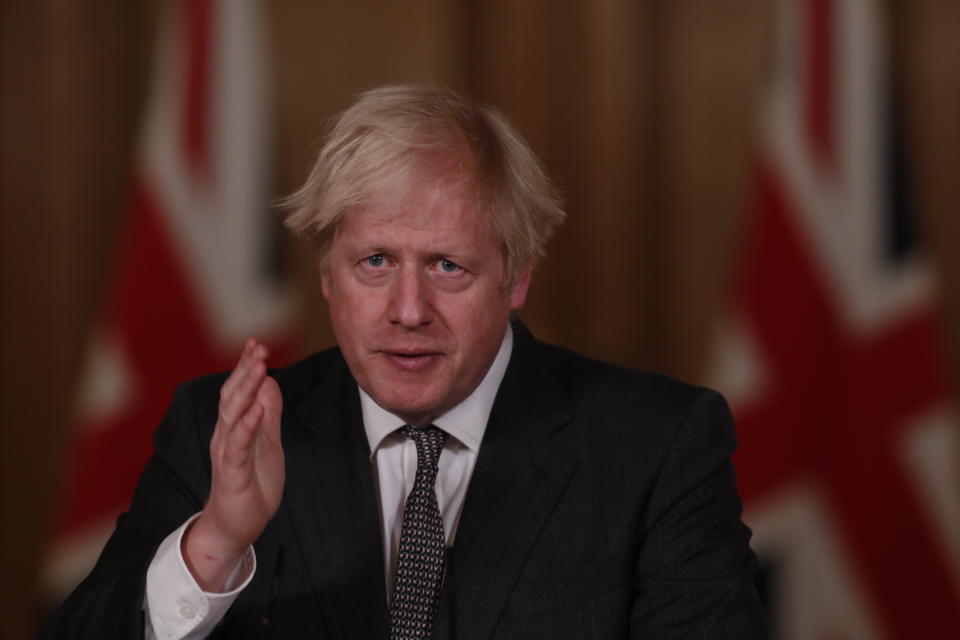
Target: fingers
[
  {"x": 248, "y": 356},
  {"x": 240, "y": 389},
  {"x": 269, "y": 397},
  {"x": 238, "y": 447},
  {"x": 246, "y": 457},
  {"x": 239, "y": 411},
  {"x": 252, "y": 352},
  {"x": 238, "y": 400}
]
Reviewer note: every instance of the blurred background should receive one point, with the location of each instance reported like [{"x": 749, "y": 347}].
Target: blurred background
[{"x": 762, "y": 195}]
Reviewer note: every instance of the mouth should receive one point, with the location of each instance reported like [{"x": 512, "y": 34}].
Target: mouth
[{"x": 412, "y": 361}]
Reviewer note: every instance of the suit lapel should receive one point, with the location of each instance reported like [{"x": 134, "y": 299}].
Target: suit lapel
[
  {"x": 336, "y": 519},
  {"x": 519, "y": 476}
]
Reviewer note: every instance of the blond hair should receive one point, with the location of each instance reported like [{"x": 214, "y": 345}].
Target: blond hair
[{"x": 394, "y": 138}]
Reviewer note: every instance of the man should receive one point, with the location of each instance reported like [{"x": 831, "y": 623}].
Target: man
[{"x": 441, "y": 473}]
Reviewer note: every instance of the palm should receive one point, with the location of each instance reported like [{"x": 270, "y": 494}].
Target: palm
[
  {"x": 268, "y": 467},
  {"x": 246, "y": 471},
  {"x": 247, "y": 462}
]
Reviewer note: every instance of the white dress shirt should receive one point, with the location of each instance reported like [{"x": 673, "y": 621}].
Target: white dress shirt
[{"x": 177, "y": 608}]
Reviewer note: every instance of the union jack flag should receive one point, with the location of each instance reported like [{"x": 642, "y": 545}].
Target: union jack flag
[
  {"x": 834, "y": 357},
  {"x": 192, "y": 275}
]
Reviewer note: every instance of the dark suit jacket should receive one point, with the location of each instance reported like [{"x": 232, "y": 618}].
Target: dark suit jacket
[{"x": 602, "y": 505}]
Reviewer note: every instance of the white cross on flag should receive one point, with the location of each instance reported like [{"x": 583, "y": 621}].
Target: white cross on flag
[
  {"x": 191, "y": 278},
  {"x": 833, "y": 357}
]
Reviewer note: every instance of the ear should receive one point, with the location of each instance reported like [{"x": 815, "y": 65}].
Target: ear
[
  {"x": 518, "y": 294},
  {"x": 325, "y": 284}
]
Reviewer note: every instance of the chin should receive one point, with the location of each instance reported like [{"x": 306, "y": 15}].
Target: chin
[
  {"x": 412, "y": 407},
  {"x": 415, "y": 416}
]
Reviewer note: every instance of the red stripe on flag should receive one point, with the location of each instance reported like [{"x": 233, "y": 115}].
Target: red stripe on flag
[
  {"x": 154, "y": 315},
  {"x": 835, "y": 411}
]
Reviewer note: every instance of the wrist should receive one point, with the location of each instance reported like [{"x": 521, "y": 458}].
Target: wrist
[{"x": 210, "y": 556}]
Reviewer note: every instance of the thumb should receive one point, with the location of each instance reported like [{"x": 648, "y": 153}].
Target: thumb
[{"x": 268, "y": 395}]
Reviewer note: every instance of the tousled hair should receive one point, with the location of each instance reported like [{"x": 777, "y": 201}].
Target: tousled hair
[{"x": 395, "y": 140}]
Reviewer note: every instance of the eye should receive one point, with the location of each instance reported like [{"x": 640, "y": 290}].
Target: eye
[
  {"x": 448, "y": 266},
  {"x": 376, "y": 260}
]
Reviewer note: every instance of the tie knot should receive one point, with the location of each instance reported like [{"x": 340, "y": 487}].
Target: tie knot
[{"x": 429, "y": 441}]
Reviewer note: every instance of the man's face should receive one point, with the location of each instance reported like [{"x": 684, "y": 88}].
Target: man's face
[{"x": 416, "y": 300}]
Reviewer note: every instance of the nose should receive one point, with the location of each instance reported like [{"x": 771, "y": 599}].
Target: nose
[{"x": 410, "y": 298}]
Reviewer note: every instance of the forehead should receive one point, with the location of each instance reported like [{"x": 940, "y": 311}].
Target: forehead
[{"x": 441, "y": 212}]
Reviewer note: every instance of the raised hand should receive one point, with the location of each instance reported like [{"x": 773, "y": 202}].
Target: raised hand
[{"x": 247, "y": 471}]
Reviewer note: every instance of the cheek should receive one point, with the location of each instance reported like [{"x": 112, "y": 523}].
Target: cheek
[
  {"x": 356, "y": 309},
  {"x": 479, "y": 316}
]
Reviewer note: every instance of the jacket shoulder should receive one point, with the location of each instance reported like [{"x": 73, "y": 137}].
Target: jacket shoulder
[{"x": 586, "y": 380}]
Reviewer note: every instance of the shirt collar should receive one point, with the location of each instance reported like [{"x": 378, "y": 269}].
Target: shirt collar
[{"x": 466, "y": 422}]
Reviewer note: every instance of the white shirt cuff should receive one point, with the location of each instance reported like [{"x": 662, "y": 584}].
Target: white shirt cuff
[{"x": 176, "y": 607}]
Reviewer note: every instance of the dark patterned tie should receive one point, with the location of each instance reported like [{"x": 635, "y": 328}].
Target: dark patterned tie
[{"x": 422, "y": 544}]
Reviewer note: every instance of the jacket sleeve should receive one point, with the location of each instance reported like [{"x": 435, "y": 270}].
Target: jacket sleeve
[
  {"x": 695, "y": 569},
  {"x": 174, "y": 485}
]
